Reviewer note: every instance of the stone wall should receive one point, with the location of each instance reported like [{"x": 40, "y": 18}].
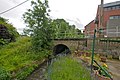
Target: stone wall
[
  {"x": 104, "y": 45},
  {"x": 108, "y": 46},
  {"x": 72, "y": 44}
]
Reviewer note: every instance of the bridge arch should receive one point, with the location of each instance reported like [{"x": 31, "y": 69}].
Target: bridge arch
[{"x": 61, "y": 49}]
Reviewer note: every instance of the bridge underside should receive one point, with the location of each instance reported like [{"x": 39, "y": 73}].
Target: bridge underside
[{"x": 61, "y": 49}]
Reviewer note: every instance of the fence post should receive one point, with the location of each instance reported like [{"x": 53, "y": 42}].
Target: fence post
[
  {"x": 86, "y": 43},
  {"x": 93, "y": 47}
]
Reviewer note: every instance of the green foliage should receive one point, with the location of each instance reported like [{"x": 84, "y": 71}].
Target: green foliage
[
  {"x": 3, "y": 42},
  {"x": 4, "y": 75},
  {"x": 66, "y": 68},
  {"x": 39, "y": 25},
  {"x": 19, "y": 59},
  {"x": 3, "y": 20},
  {"x": 11, "y": 31},
  {"x": 63, "y": 29},
  {"x": 24, "y": 72}
]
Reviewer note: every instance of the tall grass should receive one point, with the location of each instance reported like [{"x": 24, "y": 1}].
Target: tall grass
[
  {"x": 17, "y": 59},
  {"x": 68, "y": 69}
]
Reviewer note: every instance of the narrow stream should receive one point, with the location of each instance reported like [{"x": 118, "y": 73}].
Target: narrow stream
[
  {"x": 44, "y": 69},
  {"x": 39, "y": 74}
]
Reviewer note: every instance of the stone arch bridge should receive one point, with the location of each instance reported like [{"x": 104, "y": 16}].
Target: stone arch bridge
[{"x": 71, "y": 44}]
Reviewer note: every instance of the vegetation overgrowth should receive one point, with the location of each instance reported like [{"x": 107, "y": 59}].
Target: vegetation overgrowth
[
  {"x": 39, "y": 25},
  {"x": 18, "y": 60},
  {"x": 67, "y": 68},
  {"x": 62, "y": 29},
  {"x": 8, "y": 32},
  {"x": 43, "y": 29}
]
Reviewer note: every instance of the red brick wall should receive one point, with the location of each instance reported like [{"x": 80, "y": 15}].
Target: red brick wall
[
  {"x": 107, "y": 14},
  {"x": 89, "y": 29},
  {"x": 92, "y": 27}
]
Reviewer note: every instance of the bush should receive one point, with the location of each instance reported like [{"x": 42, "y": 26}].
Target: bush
[{"x": 7, "y": 32}]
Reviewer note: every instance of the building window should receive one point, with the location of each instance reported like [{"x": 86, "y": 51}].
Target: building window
[
  {"x": 111, "y": 17},
  {"x": 117, "y": 7},
  {"x": 115, "y": 17},
  {"x": 105, "y": 9},
  {"x": 112, "y": 8},
  {"x": 109, "y": 8}
]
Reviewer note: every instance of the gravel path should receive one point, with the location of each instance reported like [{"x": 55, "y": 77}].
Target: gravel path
[{"x": 114, "y": 68}]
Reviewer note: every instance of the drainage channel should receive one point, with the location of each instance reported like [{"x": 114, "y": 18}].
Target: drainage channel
[
  {"x": 39, "y": 73},
  {"x": 46, "y": 68}
]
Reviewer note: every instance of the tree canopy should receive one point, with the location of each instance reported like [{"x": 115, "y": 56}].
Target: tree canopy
[
  {"x": 42, "y": 29},
  {"x": 63, "y": 29},
  {"x": 39, "y": 25}
]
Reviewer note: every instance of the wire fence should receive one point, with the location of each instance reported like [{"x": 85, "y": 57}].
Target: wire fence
[{"x": 110, "y": 32}]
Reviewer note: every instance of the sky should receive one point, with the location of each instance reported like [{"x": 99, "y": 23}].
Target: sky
[{"x": 77, "y": 12}]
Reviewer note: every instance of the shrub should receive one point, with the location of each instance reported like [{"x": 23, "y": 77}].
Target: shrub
[{"x": 7, "y": 32}]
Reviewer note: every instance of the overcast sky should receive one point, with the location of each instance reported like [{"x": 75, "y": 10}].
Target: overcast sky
[{"x": 78, "y": 12}]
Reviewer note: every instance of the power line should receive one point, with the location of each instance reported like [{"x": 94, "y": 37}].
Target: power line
[{"x": 13, "y": 7}]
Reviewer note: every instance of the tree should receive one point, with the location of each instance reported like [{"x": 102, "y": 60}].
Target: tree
[
  {"x": 79, "y": 31},
  {"x": 3, "y": 20},
  {"x": 39, "y": 25},
  {"x": 79, "y": 34},
  {"x": 63, "y": 29}
]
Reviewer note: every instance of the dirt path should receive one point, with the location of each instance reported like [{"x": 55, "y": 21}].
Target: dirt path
[{"x": 114, "y": 68}]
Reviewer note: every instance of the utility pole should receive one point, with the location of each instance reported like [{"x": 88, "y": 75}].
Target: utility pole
[
  {"x": 101, "y": 18},
  {"x": 101, "y": 14}
]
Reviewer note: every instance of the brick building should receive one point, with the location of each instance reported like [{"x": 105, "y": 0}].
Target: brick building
[{"x": 110, "y": 22}]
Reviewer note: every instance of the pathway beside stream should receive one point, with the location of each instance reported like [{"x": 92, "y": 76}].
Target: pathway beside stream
[{"x": 114, "y": 68}]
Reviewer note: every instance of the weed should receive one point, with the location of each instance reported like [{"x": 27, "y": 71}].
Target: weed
[
  {"x": 18, "y": 59},
  {"x": 66, "y": 68}
]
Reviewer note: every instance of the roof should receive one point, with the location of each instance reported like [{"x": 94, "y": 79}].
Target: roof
[
  {"x": 111, "y": 4},
  {"x": 89, "y": 23}
]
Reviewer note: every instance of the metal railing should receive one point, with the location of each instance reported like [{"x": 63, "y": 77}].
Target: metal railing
[{"x": 92, "y": 60}]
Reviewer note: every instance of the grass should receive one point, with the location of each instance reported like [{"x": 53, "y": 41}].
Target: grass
[
  {"x": 17, "y": 60},
  {"x": 67, "y": 68}
]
